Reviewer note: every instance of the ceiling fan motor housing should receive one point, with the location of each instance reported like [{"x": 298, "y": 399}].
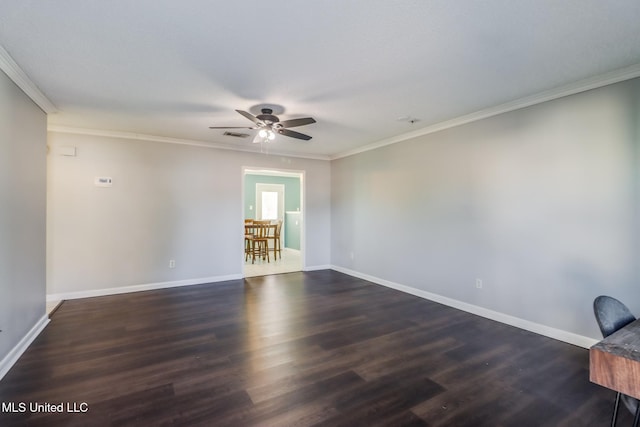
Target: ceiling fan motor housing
[{"x": 267, "y": 116}]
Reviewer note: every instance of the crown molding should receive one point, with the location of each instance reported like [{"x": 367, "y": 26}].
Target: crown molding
[
  {"x": 584, "y": 85},
  {"x": 20, "y": 78},
  {"x": 178, "y": 141}
]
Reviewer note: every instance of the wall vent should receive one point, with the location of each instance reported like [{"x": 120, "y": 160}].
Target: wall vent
[{"x": 236, "y": 134}]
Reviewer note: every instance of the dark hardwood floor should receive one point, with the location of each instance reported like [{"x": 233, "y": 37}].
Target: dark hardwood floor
[{"x": 318, "y": 348}]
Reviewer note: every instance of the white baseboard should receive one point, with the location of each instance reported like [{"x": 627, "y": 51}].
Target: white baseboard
[
  {"x": 12, "y": 357},
  {"x": 317, "y": 267},
  {"x": 558, "y": 334},
  {"x": 139, "y": 288}
]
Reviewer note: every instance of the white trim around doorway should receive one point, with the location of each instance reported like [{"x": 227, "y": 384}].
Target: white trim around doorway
[{"x": 300, "y": 174}]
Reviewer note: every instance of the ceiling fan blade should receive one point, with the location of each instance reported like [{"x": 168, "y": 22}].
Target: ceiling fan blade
[
  {"x": 251, "y": 117},
  {"x": 293, "y": 134},
  {"x": 297, "y": 122}
]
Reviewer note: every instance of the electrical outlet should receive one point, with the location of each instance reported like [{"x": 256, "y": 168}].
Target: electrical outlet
[
  {"x": 172, "y": 263},
  {"x": 479, "y": 283}
]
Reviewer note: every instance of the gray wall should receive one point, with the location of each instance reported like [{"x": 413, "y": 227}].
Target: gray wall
[
  {"x": 22, "y": 214},
  {"x": 541, "y": 203},
  {"x": 167, "y": 202}
]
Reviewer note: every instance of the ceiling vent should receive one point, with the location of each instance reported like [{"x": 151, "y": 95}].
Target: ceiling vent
[{"x": 236, "y": 134}]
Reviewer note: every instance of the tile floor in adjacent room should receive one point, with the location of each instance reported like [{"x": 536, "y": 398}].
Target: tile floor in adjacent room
[{"x": 291, "y": 261}]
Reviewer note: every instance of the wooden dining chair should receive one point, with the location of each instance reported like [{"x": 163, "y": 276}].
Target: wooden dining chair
[
  {"x": 248, "y": 237},
  {"x": 277, "y": 250},
  {"x": 257, "y": 241}
]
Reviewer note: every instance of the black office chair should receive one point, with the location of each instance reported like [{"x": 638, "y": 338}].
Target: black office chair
[{"x": 612, "y": 315}]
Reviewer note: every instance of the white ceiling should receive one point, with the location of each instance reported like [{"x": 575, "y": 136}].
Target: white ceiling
[{"x": 171, "y": 69}]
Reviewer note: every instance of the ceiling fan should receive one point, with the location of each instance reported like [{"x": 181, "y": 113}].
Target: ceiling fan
[{"x": 269, "y": 125}]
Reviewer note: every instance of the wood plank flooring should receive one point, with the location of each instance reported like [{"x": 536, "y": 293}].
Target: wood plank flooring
[{"x": 299, "y": 349}]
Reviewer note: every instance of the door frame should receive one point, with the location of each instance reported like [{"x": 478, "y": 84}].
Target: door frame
[{"x": 289, "y": 173}]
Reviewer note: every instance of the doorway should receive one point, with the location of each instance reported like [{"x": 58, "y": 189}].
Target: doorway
[{"x": 275, "y": 195}]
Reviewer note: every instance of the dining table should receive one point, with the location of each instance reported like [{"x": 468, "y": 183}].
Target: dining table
[{"x": 614, "y": 362}]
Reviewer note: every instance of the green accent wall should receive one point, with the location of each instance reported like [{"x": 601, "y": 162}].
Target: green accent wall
[
  {"x": 292, "y": 224},
  {"x": 291, "y": 200}
]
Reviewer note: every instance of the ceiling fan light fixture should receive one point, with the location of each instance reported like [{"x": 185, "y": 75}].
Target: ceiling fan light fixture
[{"x": 267, "y": 134}]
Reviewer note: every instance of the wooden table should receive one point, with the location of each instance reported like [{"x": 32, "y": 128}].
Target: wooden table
[{"x": 614, "y": 362}]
